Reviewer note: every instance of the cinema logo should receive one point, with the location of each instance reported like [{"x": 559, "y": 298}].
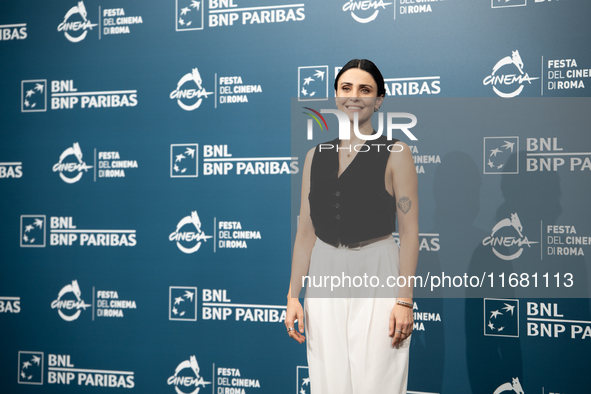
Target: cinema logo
[
  {"x": 76, "y": 23},
  {"x": 563, "y": 240},
  {"x": 69, "y": 303},
  {"x": 230, "y": 380},
  {"x": 70, "y": 166},
  {"x": 108, "y": 304},
  {"x": 111, "y": 165},
  {"x": 565, "y": 74},
  {"x": 422, "y": 160},
  {"x": 16, "y": 31},
  {"x": 228, "y": 234},
  {"x": 233, "y": 90},
  {"x": 231, "y": 235},
  {"x": 368, "y": 10},
  {"x": 186, "y": 378},
  {"x": 408, "y": 6},
  {"x": 504, "y": 80},
  {"x": 189, "y": 92},
  {"x": 511, "y": 387},
  {"x": 507, "y": 240},
  {"x": 422, "y": 316},
  {"x": 116, "y": 21},
  {"x": 188, "y": 235}
]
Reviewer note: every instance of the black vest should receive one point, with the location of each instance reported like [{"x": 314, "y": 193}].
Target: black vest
[{"x": 356, "y": 206}]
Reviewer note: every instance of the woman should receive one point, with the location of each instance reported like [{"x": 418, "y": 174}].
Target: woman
[{"x": 356, "y": 344}]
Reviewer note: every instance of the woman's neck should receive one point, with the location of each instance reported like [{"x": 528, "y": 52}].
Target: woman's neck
[{"x": 364, "y": 129}]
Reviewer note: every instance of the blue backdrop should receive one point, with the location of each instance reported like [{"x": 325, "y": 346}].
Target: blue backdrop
[{"x": 147, "y": 162}]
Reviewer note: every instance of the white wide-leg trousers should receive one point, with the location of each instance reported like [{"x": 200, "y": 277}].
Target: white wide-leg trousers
[{"x": 349, "y": 347}]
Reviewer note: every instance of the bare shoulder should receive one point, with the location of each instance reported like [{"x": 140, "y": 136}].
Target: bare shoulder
[{"x": 309, "y": 158}]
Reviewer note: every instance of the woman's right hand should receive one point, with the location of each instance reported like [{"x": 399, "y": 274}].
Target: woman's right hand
[{"x": 295, "y": 312}]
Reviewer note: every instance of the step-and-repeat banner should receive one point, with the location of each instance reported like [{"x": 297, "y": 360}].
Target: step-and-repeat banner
[{"x": 147, "y": 162}]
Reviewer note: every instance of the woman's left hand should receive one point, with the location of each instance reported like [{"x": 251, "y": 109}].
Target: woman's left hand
[{"x": 401, "y": 323}]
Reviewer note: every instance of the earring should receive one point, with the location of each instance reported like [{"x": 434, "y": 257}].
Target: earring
[{"x": 376, "y": 109}]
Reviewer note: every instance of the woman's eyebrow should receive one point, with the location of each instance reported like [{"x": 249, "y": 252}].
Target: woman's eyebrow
[{"x": 350, "y": 83}]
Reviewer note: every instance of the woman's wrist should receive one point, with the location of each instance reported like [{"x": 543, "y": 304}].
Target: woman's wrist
[{"x": 404, "y": 304}]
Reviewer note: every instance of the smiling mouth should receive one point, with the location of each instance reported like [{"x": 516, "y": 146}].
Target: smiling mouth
[{"x": 353, "y": 107}]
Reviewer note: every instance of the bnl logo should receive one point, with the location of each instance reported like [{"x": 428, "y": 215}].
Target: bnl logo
[
  {"x": 184, "y": 160},
  {"x": 30, "y": 367},
  {"x": 313, "y": 83},
  {"x": 189, "y": 15},
  {"x": 345, "y": 124},
  {"x": 34, "y": 95},
  {"x": 303, "y": 378},
  {"x": 501, "y": 317},
  {"x": 32, "y": 232},
  {"x": 509, "y": 3},
  {"x": 182, "y": 303},
  {"x": 501, "y": 155}
]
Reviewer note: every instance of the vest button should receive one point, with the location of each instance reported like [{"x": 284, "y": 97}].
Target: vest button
[
  {"x": 337, "y": 205},
  {"x": 337, "y": 194},
  {"x": 338, "y": 217}
]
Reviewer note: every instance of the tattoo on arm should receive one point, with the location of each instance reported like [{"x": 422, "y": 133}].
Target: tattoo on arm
[{"x": 404, "y": 204}]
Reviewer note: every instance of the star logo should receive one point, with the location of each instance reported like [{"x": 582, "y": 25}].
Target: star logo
[
  {"x": 313, "y": 83},
  {"x": 189, "y": 15},
  {"x": 182, "y": 303},
  {"x": 183, "y": 160},
  {"x": 34, "y": 95},
  {"x": 501, "y": 317},
  {"x": 501, "y": 155},
  {"x": 32, "y": 231},
  {"x": 30, "y": 367},
  {"x": 303, "y": 379},
  {"x": 507, "y": 3}
]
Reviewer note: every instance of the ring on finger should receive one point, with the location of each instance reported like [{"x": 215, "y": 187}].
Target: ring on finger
[{"x": 290, "y": 329}]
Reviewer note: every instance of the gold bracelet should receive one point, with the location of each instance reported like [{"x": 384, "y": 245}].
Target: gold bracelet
[{"x": 405, "y": 304}]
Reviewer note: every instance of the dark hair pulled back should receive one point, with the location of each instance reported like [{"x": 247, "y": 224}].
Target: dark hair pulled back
[{"x": 365, "y": 65}]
